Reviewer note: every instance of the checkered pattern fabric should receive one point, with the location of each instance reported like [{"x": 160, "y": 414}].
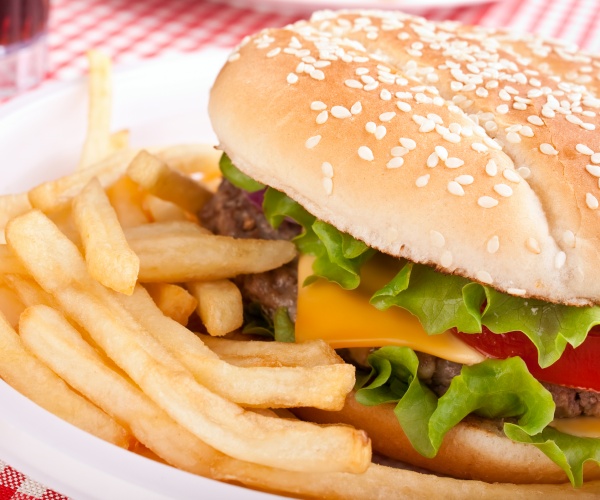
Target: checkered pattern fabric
[{"x": 137, "y": 29}]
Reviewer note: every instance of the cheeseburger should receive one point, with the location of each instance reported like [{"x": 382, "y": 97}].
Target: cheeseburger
[{"x": 441, "y": 183}]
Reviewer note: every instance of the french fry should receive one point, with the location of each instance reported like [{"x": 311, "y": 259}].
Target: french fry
[
  {"x": 205, "y": 257},
  {"x": 173, "y": 300},
  {"x": 63, "y": 218},
  {"x": 10, "y": 305},
  {"x": 12, "y": 205},
  {"x": 119, "y": 140},
  {"x": 52, "y": 339},
  {"x": 58, "y": 267},
  {"x": 97, "y": 145},
  {"x": 270, "y": 353},
  {"x": 126, "y": 198},
  {"x": 220, "y": 305},
  {"x": 53, "y": 195},
  {"x": 166, "y": 229},
  {"x": 155, "y": 176},
  {"x": 381, "y": 482},
  {"x": 30, "y": 377},
  {"x": 162, "y": 210},
  {"x": 9, "y": 263},
  {"x": 192, "y": 159},
  {"x": 108, "y": 256},
  {"x": 283, "y": 387}
]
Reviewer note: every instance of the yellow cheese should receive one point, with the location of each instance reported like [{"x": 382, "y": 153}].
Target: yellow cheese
[
  {"x": 580, "y": 426},
  {"x": 344, "y": 318}
]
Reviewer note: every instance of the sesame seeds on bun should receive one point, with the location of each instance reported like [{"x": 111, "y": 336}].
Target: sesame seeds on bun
[{"x": 430, "y": 141}]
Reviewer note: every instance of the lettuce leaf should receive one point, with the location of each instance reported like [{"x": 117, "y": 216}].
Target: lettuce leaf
[
  {"x": 442, "y": 302},
  {"x": 237, "y": 177},
  {"x": 339, "y": 256},
  {"x": 491, "y": 389}
]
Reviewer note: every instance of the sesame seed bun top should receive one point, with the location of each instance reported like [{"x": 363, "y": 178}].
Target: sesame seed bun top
[{"x": 434, "y": 142}]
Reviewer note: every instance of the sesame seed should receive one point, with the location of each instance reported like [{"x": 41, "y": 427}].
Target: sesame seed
[
  {"x": 395, "y": 162},
  {"x": 511, "y": 175},
  {"x": 487, "y": 202},
  {"x": 422, "y": 181},
  {"x": 341, "y": 112},
  {"x": 371, "y": 127},
  {"x": 583, "y": 149},
  {"x": 292, "y": 78},
  {"x": 596, "y": 158},
  {"x": 491, "y": 168},
  {"x": 453, "y": 162},
  {"x": 560, "y": 259},
  {"x": 535, "y": 120},
  {"x": 408, "y": 143},
  {"x": 548, "y": 149},
  {"x": 365, "y": 153},
  {"x": 569, "y": 238},
  {"x": 593, "y": 169},
  {"x": 493, "y": 244},
  {"x": 484, "y": 277},
  {"x": 353, "y": 84},
  {"x": 327, "y": 169},
  {"x": 451, "y": 137},
  {"x": 371, "y": 86},
  {"x": 591, "y": 201},
  {"x": 380, "y": 132},
  {"x": 356, "y": 108},
  {"x": 317, "y": 74},
  {"x": 442, "y": 152},
  {"x": 533, "y": 245},
  {"x": 513, "y": 137},
  {"x": 516, "y": 291},
  {"x": 479, "y": 147},
  {"x": 322, "y": 117},
  {"x": 455, "y": 188},
  {"x": 588, "y": 126},
  {"x": 311, "y": 142},
  {"x": 385, "y": 95},
  {"x": 403, "y": 106},
  {"x": 437, "y": 239},
  {"x": 386, "y": 117},
  {"x": 327, "y": 185},
  {"x": 361, "y": 71},
  {"x": 464, "y": 180},
  {"x": 318, "y": 106},
  {"x": 520, "y": 106},
  {"x": 446, "y": 259},
  {"x": 526, "y": 131},
  {"x": 432, "y": 160},
  {"x": 274, "y": 52},
  {"x": 427, "y": 126},
  {"x": 524, "y": 172},
  {"x": 503, "y": 190}
]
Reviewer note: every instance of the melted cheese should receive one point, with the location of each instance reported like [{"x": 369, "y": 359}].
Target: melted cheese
[
  {"x": 579, "y": 426},
  {"x": 344, "y": 318}
]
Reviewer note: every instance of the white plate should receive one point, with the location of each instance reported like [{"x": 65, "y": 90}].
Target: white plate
[
  {"x": 161, "y": 102},
  {"x": 303, "y": 6}
]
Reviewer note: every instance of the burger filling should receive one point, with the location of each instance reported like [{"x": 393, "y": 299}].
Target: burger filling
[
  {"x": 521, "y": 337},
  {"x": 231, "y": 212}
]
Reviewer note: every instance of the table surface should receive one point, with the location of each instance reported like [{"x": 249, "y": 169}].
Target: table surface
[{"x": 131, "y": 30}]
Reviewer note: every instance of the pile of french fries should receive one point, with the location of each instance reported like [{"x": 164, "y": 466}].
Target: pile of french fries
[{"x": 100, "y": 272}]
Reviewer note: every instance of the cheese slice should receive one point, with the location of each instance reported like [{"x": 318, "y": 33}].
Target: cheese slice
[
  {"x": 579, "y": 426},
  {"x": 344, "y": 318}
]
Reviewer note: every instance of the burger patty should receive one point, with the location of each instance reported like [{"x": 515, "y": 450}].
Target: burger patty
[{"x": 231, "y": 213}]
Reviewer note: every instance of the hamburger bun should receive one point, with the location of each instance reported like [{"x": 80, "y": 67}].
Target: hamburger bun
[{"x": 334, "y": 107}]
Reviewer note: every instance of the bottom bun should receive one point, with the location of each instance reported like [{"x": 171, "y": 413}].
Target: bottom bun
[{"x": 474, "y": 449}]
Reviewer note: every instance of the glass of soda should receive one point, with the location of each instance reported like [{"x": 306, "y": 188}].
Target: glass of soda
[{"x": 23, "y": 44}]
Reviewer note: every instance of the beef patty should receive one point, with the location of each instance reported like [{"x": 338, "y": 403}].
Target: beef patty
[{"x": 231, "y": 213}]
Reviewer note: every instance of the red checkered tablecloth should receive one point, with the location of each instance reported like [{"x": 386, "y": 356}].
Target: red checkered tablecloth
[{"x": 137, "y": 29}]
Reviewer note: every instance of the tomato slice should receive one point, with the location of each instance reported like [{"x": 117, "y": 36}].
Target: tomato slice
[{"x": 578, "y": 368}]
